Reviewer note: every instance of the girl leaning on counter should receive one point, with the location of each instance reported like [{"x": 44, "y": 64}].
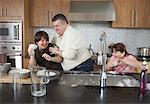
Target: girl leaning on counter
[
  {"x": 121, "y": 61},
  {"x": 40, "y": 55}
]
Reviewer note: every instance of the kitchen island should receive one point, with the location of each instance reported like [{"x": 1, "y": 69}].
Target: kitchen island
[{"x": 64, "y": 94}]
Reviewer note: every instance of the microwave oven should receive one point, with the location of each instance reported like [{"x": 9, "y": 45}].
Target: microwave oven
[{"x": 10, "y": 31}]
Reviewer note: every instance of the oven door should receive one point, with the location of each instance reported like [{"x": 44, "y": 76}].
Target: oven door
[{"x": 15, "y": 59}]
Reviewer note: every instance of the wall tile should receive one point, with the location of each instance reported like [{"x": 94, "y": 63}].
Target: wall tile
[{"x": 132, "y": 38}]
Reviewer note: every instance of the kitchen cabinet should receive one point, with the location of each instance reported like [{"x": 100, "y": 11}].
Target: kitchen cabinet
[
  {"x": 132, "y": 14},
  {"x": 142, "y": 13},
  {"x": 12, "y": 11},
  {"x": 11, "y": 8},
  {"x": 42, "y": 11}
]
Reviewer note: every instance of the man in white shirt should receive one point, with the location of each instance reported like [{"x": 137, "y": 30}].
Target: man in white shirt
[{"x": 72, "y": 48}]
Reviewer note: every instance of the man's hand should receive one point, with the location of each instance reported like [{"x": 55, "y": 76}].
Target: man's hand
[
  {"x": 47, "y": 57},
  {"x": 54, "y": 50}
]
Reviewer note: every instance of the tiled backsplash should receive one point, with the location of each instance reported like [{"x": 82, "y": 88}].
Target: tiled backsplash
[{"x": 132, "y": 38}]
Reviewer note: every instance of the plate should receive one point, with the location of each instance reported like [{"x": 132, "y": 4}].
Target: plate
[
  {"x": 112, "y": 72},
  {"x": 51, "y": 74},
  {"x": 48, "y": 73}
]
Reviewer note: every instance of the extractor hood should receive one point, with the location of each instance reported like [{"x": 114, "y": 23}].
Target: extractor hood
[{"x": 92, "y": 10}]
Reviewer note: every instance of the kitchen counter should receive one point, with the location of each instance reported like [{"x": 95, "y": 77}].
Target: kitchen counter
[
  {"x": 90, "y": 79},
  {"x": 59, "y": 94},
  {"x": 9, "y": 79}
]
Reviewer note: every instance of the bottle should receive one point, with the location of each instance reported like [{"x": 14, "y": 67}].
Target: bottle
[{"x": 143, "y": 79}]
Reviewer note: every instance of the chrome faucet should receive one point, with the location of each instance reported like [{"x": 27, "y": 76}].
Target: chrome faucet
[{"x": 104, "y": 57}]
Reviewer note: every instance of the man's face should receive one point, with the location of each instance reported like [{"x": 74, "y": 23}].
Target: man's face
[
  {"x": 59, "y": 27},
  {"x": 42, "y": 44}
]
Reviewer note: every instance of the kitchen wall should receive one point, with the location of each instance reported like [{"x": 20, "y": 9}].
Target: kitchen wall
[{"x": 132, "y": 38}]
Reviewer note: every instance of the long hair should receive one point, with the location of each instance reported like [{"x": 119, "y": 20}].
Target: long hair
[{"x": 120, "y": 47}]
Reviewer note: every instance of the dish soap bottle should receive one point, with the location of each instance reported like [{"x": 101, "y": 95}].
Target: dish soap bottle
[{"x": 143, "y": 79}]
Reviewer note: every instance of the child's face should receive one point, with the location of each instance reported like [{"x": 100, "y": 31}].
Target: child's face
[
  {"x": 118, "y": 54},
  {"x": 43, "y": 43}
]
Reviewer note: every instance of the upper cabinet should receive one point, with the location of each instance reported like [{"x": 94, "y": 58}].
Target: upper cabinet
[
  {"x": 143, "y": 13},
  {"x": 42, "y": 11},
  {"x": 11, "y": 8},
  {"x": 132, "y": 14}
]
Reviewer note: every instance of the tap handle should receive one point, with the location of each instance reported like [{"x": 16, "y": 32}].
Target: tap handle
[{"x": 103, "y": 36}]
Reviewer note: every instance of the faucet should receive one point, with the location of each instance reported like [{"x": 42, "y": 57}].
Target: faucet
[{"x": 104, "y": 57}]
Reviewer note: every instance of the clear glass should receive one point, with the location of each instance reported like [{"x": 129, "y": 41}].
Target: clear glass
[
  {"x": 38, "y": 78},
  {"x": 17, "y": 80},
  {"x": 2, "y": 71}
]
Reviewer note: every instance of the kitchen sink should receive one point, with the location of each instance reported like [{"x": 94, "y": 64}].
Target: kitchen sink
[{"x": 93, "y": 79}]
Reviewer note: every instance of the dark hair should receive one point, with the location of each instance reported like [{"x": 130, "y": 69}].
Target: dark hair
[
  {"x": 120, "y": 47},
  {"x": 39, "y": 35},
  {"x": 59, "y": 17}
]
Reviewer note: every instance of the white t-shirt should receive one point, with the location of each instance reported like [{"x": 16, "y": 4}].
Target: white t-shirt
[{"x": 74, "y": 50}]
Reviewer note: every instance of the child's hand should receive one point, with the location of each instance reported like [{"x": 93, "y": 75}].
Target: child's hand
[{"x": 46, "y": 56}]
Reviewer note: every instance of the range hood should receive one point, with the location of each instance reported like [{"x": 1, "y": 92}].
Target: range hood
[{"x": 92, "y": 10}]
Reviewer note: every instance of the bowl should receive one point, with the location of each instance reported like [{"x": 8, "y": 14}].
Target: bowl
[
  {"x": 5, "y": 67},
  {"x": 24, "y": 73}
]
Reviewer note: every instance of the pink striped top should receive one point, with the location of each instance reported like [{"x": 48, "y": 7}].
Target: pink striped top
[{"x": 122, "y": 67}]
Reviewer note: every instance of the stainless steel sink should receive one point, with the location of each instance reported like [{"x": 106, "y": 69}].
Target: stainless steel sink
[{"x": 93, "y": 79}]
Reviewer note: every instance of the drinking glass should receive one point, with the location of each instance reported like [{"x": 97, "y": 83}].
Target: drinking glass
[
  {"x": 38, "y": 77},
  {"x": 2, "y": 71},
  {"x": 16, "y": 80}
]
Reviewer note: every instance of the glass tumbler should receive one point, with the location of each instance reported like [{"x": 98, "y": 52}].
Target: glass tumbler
[
  {"x": 38, "y": 77},
  {"x": 17, "y": 80}
]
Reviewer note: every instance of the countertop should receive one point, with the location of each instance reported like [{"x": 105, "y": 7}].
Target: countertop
[
  {"x": 9, "y": 79},
  {"x": 60, "y": 94},
  {"x": 68, "y": 94}
]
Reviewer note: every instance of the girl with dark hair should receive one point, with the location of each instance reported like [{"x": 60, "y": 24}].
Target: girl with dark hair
[
  {"x": 41, "y": 55},
  {"x": 121, "y": 61}
]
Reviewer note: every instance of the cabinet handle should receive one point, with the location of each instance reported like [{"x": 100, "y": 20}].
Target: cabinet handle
[
  {"x": 2, "y": 12},
  {"x": 136, "y": 18},
  {"x": 48, "y": 18},
  {"x": 132, "y": 21},
  {"x": 6, "y": 12}
]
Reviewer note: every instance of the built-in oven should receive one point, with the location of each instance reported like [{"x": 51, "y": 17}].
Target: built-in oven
[
  {"x": 12, "y": 52},
  {"x": 11, "y": 42},
  {"x": 10, "y": 31}
]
